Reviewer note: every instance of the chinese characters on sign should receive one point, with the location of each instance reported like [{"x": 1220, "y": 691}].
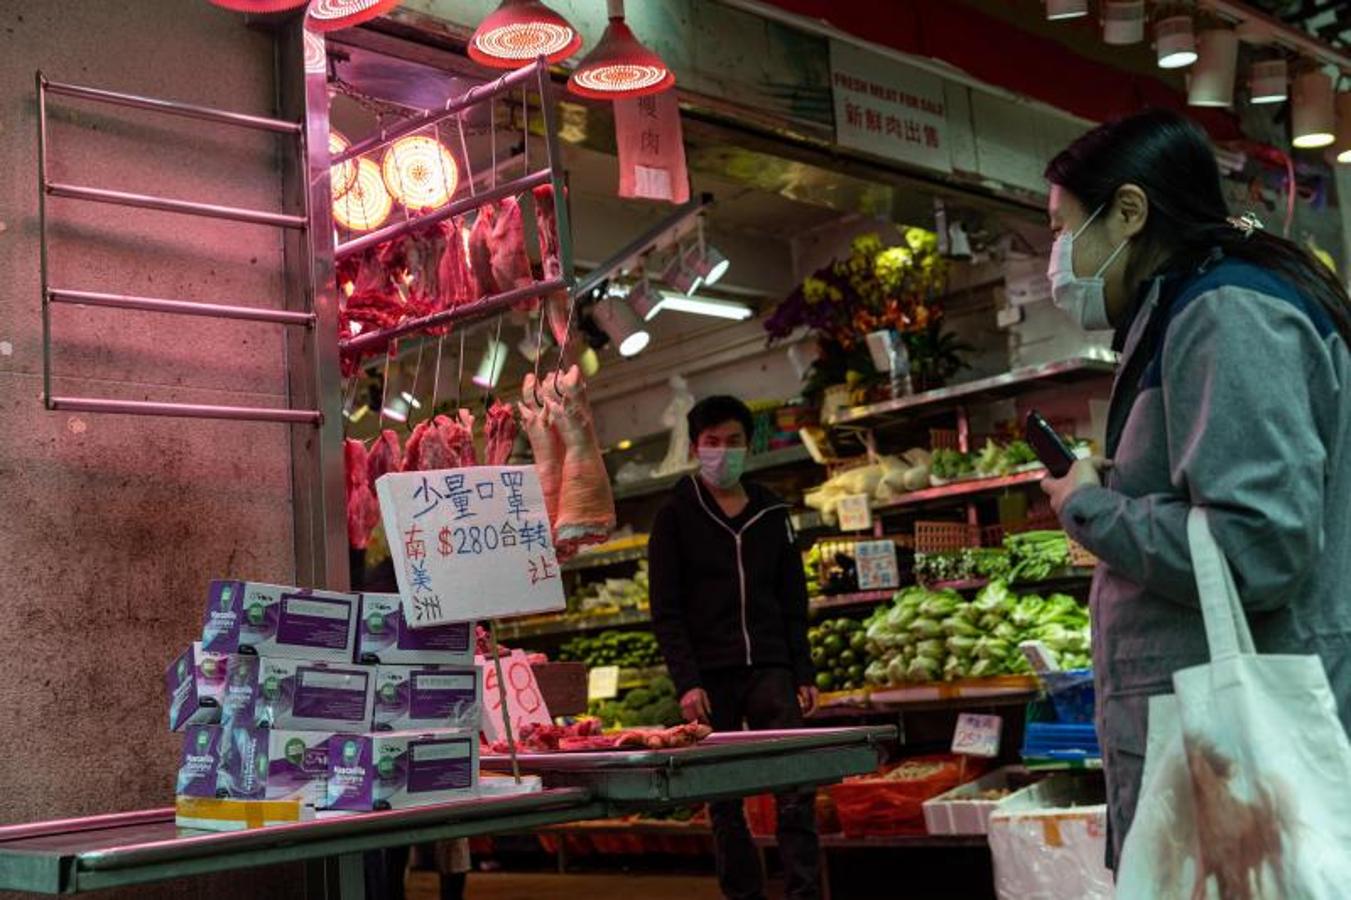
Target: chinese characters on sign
[
  {"x": 525, "y": 703},
  {"x": 472, "y": 544},
  {"x": 888, "y": 109},
  {"x": 977, "y": 735},
  {"x": 877, "y": 568},
  {"x": 651, "y": 148},
  {"x": 855, "y": 513}
]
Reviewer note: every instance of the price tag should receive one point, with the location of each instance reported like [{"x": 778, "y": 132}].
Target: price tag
[
  {"x": 977, "y": 735},
  {"x": 470, "y": 544},
  {"x": 1039, "y": 657},
  {"x": 525, "y": 702},
  {"x": 877, "y": 566},
  {"x": 602, "y": 683},
  {"x": 855, "y": 514}
]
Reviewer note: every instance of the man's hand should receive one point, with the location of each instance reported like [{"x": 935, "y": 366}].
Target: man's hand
[
  {"x": 1083, "y": 473},
  {"x": 695, "y": 706},
  {"x": 807, "y": 696}
]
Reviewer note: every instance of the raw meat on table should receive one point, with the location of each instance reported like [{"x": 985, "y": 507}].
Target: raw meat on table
[
  {"x": 499, "y": 432},
  {"x": 363, "y": 509},
  {"x": 585, "y": 736}
]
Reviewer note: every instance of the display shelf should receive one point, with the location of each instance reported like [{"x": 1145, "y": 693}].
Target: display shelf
[
  {"x": 1069, "y": 577},
  {"x": 960, "y": 491},
  {"x": 551, "y": 625},
  {"x": 770, "y": 459},
  {"x": 598, "y": 558},
  {"x": 860, "y": 598},
  {"x": 1009, "y": 384},
  {"x": 888, "y": 841},
  {"x": 1005, "y": 690},
  {"x": 633, "y": 678}
]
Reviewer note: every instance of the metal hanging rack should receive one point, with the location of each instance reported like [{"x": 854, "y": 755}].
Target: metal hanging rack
[
  {"x": 536, "y": 76},
  {"x": 52, "y": 295}
]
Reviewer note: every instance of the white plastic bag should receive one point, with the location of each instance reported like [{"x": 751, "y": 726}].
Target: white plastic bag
[{"x": 1247, "y": 782}]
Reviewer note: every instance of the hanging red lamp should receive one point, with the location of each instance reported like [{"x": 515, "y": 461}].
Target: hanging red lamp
[
  {"x": 260, "y": 6},
  {"x": 330, "y": 15},
  {"x": 620, "y": 67},
  {"x": 420, "y": 173},
  {"x": 520, "y": 31}
]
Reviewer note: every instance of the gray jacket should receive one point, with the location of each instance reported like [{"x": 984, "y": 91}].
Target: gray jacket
[{"x": 1232, "y": 394}]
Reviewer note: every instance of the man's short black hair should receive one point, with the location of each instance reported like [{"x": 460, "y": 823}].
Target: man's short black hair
[{"x": 711, "y": 412}]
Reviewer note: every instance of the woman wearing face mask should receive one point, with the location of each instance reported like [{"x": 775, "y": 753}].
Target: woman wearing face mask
[
  {"x": 729, "y": 608},
  {"x": 1232, "y": 395}
]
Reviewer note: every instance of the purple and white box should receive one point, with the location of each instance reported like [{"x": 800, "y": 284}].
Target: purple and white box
[
  {"x": 238, "y": 699},
  {"x": 384, "y": 638},
  {"x": 196, "y": 684},
  {"x": 400, "y": 769},
  {"x": 274, "y": 764},
  {"x": 309, "y": 696},
  {"x": 199, "y": 763},
  {"x": 274, "y": 620},
  {"x": 420, "y": 697}
]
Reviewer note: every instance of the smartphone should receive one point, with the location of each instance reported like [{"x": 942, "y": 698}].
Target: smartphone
[{"x": 1050, "y": 448}]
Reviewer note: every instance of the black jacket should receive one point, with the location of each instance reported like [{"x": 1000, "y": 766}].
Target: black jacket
[{"x": 727, "y": 592}]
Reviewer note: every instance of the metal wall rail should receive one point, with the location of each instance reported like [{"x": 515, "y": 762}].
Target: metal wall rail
[{"x": 51, "y": 295}]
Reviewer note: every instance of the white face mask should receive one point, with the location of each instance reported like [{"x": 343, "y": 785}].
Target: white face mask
[{"x": 1082, "y": 299}]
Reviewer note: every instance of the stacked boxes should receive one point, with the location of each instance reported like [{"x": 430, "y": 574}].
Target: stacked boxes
[{"x": 326, "y": 699}]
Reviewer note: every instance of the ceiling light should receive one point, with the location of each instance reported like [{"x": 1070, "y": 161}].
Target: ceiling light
[
  {"x": 534, "y": 342},
  {"x": 645, "y": 300},
  {"x": 1066, "y": 9},
  {"x": 706, "y": 262},
  {"x": 520, "y": 31},
  {"x": 316, "y": 55},
  {"x": 259, "y": 6},
  {"x": 356, "y": 415},
  {"x": 330, "y": 15},
  {"x": 1312, "y": 116},
  {"x": 491, "y": 365},
  {"x": 367, "y": 204},
  {"x": 1344, "y": 127},
  {"x": 396, "y": 409},
  {"x": 703, "y": 306},
  {"x": 619, "y": 66},
  {"x": 618, "y": 320},
  {"x": 1211, "y": 82},
  {"x": 589, "y": 360},
  {"x": 625, "y": 444},
  {"x": 1123, "y": 22},
  {"x": 410, "y": 400},
  {"x": 680, "y": 276},
  {"x": 420, "y": 173},
  {"x": 1175, "y": 42},
  {"x": 1270, "y": 81},
  {"x": 344, "y": 174}
]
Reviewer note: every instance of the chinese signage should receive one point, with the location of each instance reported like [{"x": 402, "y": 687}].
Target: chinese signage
[
  {"x": 855, "y": 513},
  {"x": 977, "y": 735},
  {"x": 651, "y": 148},
  {"x": 888, "y": 109},
  {"x": 525, "y": 703},
  {"x": 877, "y": 566},
  {"x": 470, "y": 544}
]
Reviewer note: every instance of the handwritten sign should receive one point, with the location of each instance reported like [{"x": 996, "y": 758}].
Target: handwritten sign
[
  {"x": 525, "y": 702},
  {"x": 602, "y": 683},
  {"x": 889, "y": 109},
  {"x": 855, "y": 514},
  {"x": 470, "y": 544},
  {"x": 977, "y": 735},
  {"x": 651, "y": 148},
  {"x": 877, "y": 567}
]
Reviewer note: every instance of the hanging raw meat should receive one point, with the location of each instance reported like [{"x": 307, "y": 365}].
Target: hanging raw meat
[
  {"x": 385, "y": 456},
  {"x": 511, "y": 265},
  {"x": 459, "y": 436},
  {"x": 441, "y": 443},
  {"x": 367, "y": 301},
  {"x": 586, "y": 506},
  {"x": 545, "y": 444},
  {"x": 499, "y": 432},
  {"x": 363, "y": 510},
  {"x": 454, "y": 277},
  {"x": 480, "y": 251},
  {"x": 546, "y": 227}
]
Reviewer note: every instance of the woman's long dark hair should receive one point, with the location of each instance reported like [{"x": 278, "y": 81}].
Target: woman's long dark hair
[{"x": 1170, "y": 159}]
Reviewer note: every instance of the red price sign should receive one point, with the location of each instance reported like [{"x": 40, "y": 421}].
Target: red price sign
[
  {"x": 977, "y": 735},
  {"x": 525, "y": 703}
]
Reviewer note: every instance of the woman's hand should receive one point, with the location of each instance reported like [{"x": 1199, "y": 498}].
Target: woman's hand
[
  {"x": 1084, "y": 472},
  {"x": 696, "y": 707}
]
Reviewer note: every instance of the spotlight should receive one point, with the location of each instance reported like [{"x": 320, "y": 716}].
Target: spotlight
[
  {"x": 411, "y": 400},
  {"x": 621, "y": 324},
  {"x": 1211, "y": 82},
  {"x": 1123, "y": 22},
  {"x": 420, "y": 173},
  {"x": 680, "y": 276},
  {"x": 1270, "y": 81},
  {"x": 589, "y": 360},
  {"x": 645, "y": 300},
  {"x": 491, "y": 365},
  {"x": 1344, "y": 127},
  {"x": 366, "y": 204},
  {"x": 396, "y": 409},
  {"x": 1312, "y": 116},
  {"x": 520, "y": 31},
  {"x": 1065, "y": 9},
  {"x": 1175, "y": 42}
]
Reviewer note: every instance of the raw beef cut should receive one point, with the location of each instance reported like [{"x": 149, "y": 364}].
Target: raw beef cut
[
  {"x": 545, "y": 444},
  {"x": 499, "y": 433},
  {"x": 385, "y": 456},
  {"x": 442, "y": 443},
  {"x": 586, "y": 506},
  {"x": 546, "y": 228},
  {"x": 454, "y": 277},
  {"x": 511, "y": 265},
  {"x": 363, "y": 510},
  {"x": 480, "y": 251}
]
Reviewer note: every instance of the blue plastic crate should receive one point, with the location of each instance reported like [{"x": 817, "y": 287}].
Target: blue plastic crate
[
  {"x": 1054, "y": 739},
  {"x": 1072, "y": 694}
]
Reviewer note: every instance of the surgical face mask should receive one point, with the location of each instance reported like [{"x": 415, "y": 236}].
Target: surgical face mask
[
  {"x": 1083, "y": 299},
  {"x": 722, "y": 467}
]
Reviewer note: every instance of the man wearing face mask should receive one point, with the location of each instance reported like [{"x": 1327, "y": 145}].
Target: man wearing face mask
[{"x": 729, "y": 608}]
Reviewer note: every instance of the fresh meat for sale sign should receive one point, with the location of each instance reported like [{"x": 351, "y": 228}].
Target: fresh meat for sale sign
[
  {"x": 470, "y": 543},
  {"x": 889, "y": 109}
]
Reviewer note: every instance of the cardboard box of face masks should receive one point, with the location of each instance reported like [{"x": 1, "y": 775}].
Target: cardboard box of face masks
[
  {"x": 302, "y": 695},
  {"x": 384, "y": 638},
  {"x": 401, "y": 769},
  {"x": 408, "y": 698},
  {"x": 275, "y": 620},
  {"x": 196, "y": 685},
  {"x": 274, "y": 764}
]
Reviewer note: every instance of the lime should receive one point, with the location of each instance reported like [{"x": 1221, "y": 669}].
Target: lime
[
  {"x": 848, "y": 657},
  {"x": 824, "y": 681},
  {"x": 834, "y": 644}
]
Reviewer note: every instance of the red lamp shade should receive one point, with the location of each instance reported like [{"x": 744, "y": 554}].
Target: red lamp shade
[
  {"x": 367, "y": 204},
  {"x": 520, "y": 31},
  {"x": 619, "y": 66},
  {"x": 420, "y": 173},
  {"x": 330, "y": 15},
  {"x": 260, "y": 6},
  {"x": 316, "y": 55}
]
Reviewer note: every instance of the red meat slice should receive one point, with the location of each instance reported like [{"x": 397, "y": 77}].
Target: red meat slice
[
  {"x": 511, "y": 265},
  {"x": 499, "y": 434},
  {"x": 454, "y": 276},
  {"x": 363, "y": 510},
  {"x": 385, "y": 456},
  {"x": 442, "y": 443},
  {"x": 480, "y": 251}
]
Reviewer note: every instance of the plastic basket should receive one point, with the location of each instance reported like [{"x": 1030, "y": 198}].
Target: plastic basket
[
  {"x": 1072, "y": 695},
  {"x": 1054, "y": 740},
  {"x": 945, "y": 537}
]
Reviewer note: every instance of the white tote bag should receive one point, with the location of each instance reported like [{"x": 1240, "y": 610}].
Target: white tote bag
[{"x": 1247, "y": 782}]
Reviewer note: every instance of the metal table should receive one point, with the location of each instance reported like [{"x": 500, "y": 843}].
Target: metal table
[
  {"x": 74, "y": 855},
  {"x": 733, "y": 764}
]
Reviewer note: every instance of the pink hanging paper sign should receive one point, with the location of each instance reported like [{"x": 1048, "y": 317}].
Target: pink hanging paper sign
[{"x": 651, "y": 148}]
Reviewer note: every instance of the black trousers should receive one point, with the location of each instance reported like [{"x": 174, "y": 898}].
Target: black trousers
[{"x": 762, "y": 699}]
